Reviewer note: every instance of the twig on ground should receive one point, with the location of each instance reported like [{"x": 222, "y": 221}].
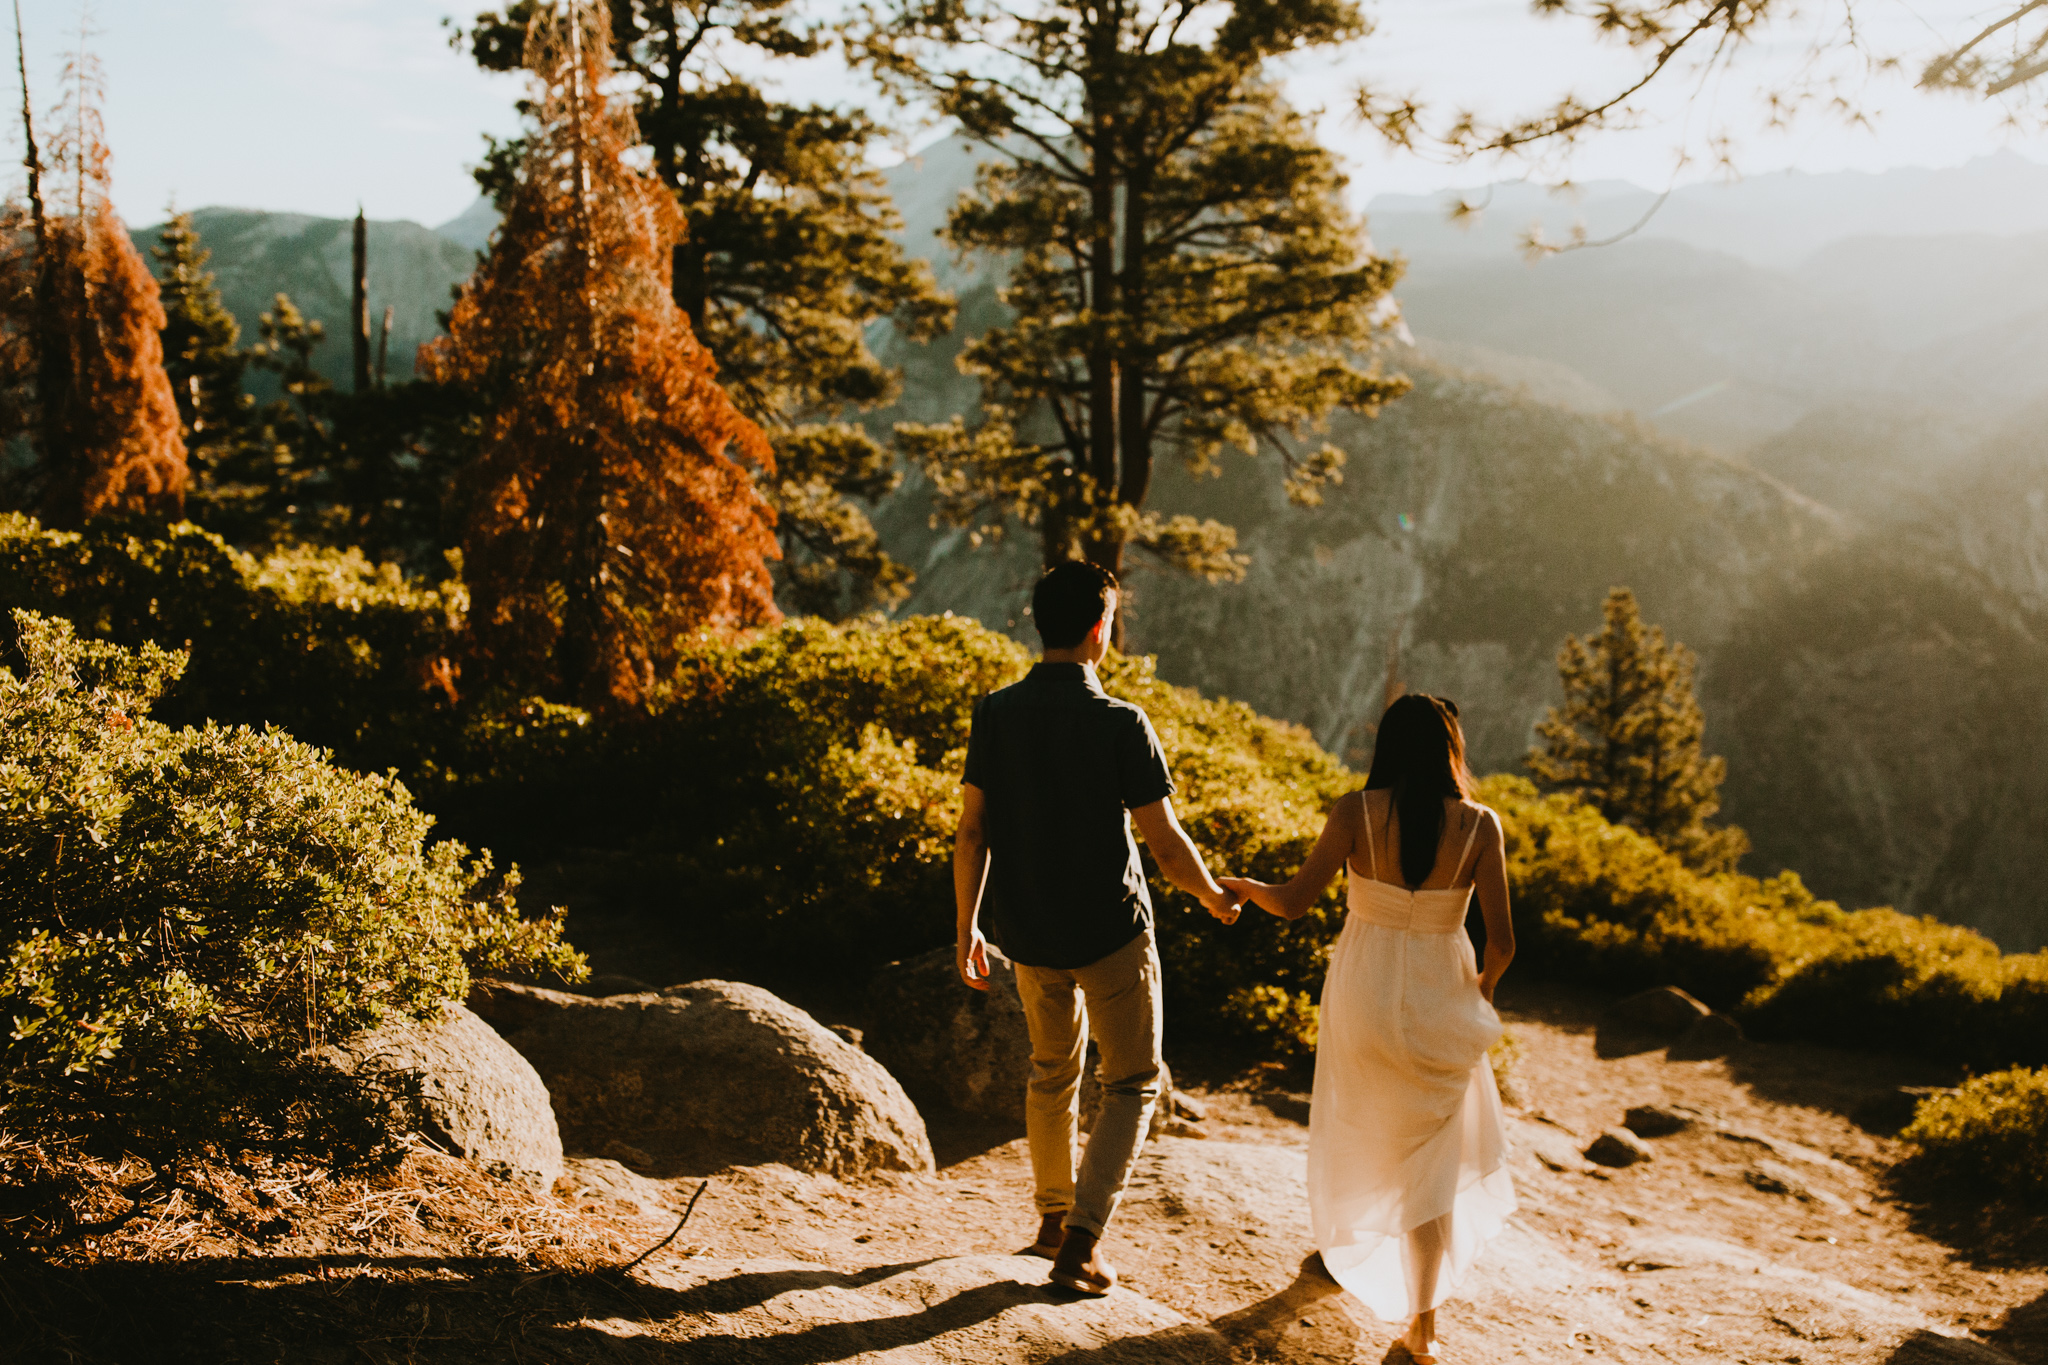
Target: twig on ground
[{"x": 672, "y": 1235}]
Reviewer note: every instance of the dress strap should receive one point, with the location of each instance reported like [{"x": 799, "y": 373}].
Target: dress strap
[
  {"x": 1372, "y": 857},
  {"x": 1466, "y": 851}
]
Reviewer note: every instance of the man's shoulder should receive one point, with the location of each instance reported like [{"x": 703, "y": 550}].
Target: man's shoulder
[
  {"x": 1004, "y": 697},
  {"x": 1127, "y": 711}
]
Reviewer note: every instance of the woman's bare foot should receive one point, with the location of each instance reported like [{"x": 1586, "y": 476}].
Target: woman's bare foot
[
  {"x": 1080, "y": 1267},
  {"x": 1047, "y": 1246},
  {"x": 1420, "y": 1338}
]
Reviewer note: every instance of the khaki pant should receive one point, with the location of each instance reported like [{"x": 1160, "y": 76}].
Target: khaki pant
[{"x": 1116, "y": 1001}]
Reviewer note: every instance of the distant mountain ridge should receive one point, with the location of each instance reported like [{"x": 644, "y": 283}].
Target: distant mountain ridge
[
  {"x": 1864, "y": 583},
  {"x": 1825, "y": 470},
  {"x": 256, "y": 255},
  {"x": 1776, "y": 220}
]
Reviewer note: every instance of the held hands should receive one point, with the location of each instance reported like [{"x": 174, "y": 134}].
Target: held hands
[
  {"x": 1222, "y": 902},
  {"x": 1248, "y": 889}
]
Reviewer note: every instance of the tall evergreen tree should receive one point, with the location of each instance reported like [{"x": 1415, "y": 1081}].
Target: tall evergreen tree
[
  {"x": 1184, "y": 274},
  {"x": 610, "y": 509},
  {"x": 203, "y": 356},
  {"x": 103, "y": 421},
  {"x": 1627, "y": 739},
  {"x": 787, "y": 258}
]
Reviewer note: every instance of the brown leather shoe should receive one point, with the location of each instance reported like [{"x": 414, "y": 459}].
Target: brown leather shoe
[
  {"x": 1047, "y": 1247},
  {"x": 1080, "y": 1267}
]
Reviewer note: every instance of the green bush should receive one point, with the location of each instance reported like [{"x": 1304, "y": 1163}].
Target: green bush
[
  {"x": 796, "y": 792},
  {"x": 1995, "y": 1133},
  {"x": 187, "y": 915},
  {"x": 338, "y": 650},
  {"x": 1602, "y": 904}
]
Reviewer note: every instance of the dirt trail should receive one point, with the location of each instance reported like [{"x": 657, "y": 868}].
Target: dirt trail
[{"x": 1763, "y": 1234}]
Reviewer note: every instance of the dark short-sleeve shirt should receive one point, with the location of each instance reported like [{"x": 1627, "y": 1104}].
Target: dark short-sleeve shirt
[{"x": 1059, "y": 762}]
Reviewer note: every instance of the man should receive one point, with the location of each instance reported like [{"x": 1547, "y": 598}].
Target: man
[{"x": 1053, "y": 764}]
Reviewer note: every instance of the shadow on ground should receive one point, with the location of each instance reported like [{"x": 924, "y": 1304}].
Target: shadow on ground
[{"x": 353, "y": 1308}]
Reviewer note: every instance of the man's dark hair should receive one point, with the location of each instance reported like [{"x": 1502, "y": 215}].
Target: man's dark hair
[{"x": 1069, "y": 600}]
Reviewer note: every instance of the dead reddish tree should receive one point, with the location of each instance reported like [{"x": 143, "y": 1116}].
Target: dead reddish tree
[
  {"x": 89, "y": 325},
  {"x": 612, "y": 508}
]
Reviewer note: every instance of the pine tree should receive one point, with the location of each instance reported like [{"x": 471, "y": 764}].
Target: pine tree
[
  {"x": 105, "y": 426},
  {"x": 1184, "y": 273},
  {"x": 610, "y": 509},
  {"x": 787, "y": 259},
  {"x": 203, "y": 356},
  {"x": 1627, "y": 739}
]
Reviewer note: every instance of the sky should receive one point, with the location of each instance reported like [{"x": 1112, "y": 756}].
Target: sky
[{"x": 317, "y": 106}]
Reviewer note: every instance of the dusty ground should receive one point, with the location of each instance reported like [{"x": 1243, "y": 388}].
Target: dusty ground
[
  {"x": 1689, "y": 1257},
  {"x": 1680, "y": 1258}
]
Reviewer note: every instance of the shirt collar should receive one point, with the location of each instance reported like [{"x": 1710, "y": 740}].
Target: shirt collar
[{"x": 1066, "y": 676}]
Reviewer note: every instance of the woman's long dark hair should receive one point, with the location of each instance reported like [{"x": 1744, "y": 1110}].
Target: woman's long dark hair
[{"x": 1420, "y": 756}]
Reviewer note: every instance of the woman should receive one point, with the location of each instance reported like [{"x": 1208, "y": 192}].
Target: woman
[{"x": 1407, "y": 1156}]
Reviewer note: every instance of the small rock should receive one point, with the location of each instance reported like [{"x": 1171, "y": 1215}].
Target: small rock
[
  {"x": 1660, "y": 1120},
  {"x": 1713, "y": 1035},
  {"x": 1774, "y": 1177},
  {"x": 1666, "y": 1009},
  {"x": 848, "y": 1032},
  {"x": 1556, "y": 1152},
  {"x": 628, "y": 1155},
  {"x": 1188, "y": 1107},
  {"x": 1618, "y": 1147},
  {"x": 1889, "y": 1111},
  {"x": 1181, "y": 1128}
]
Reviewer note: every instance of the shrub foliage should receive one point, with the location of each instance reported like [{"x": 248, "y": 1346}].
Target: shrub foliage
[
  {"x": 190, "y": 914},
  {"x": 1994, "y": 1133},
  {"x": 340, "y": 651},
  {"x": 798, "y": 791}
]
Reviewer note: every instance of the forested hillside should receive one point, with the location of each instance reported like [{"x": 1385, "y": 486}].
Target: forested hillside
[
  {"x": 1864, "y": 578},
  {"x": 257, "y": 255},
  {"x": 1859, "y": 561}
]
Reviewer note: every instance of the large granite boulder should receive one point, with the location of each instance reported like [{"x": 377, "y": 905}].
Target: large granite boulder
[
  {"x": 1660, "y": 1010},
  {"x": 708, "y": 1075},
  {"x": 949, "y": 1044},
  {"x": 478, "y": 1097},
  {"x": 953, "y": 1046}
]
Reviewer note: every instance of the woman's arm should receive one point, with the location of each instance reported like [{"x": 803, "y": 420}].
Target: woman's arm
[
  {"x": 1490, "y": 884},
  {"x": 1333, "y": 846}
]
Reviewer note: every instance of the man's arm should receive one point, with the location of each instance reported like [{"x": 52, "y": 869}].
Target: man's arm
[
  {"x": 1179, "y": 859},
  {"x": 970, "y": 878}
]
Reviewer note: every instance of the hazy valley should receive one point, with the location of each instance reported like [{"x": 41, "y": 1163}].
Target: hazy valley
[{"x": 1799, "y": 416}]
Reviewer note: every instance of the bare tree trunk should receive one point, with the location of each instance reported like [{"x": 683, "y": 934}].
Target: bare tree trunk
[
  {"x": 1134, "y": 438},
  {"x": 359, "y": 303},
  {"x": 384, "y": 344},
  {"x": 59, "y": 498}
]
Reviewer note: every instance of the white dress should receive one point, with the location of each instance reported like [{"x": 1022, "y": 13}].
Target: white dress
[{"x": 1407, "y": 1148}]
